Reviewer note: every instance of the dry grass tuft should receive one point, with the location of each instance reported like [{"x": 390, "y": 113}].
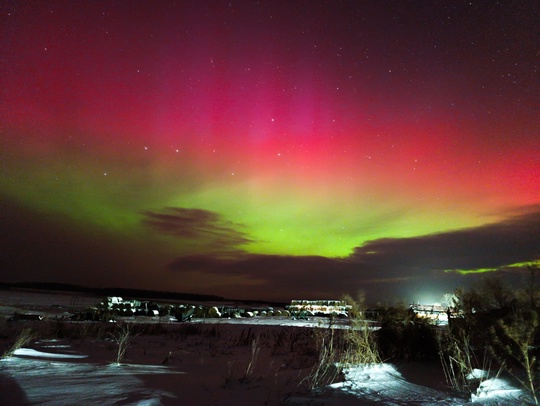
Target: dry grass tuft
[
  {"x": 25, "y": 336},
  {"x": 339, "y": 349}
]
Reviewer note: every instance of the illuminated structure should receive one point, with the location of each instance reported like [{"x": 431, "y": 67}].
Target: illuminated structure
[
  {"x": 319, "y": 307},
  {"x": 435, "y": 312}
]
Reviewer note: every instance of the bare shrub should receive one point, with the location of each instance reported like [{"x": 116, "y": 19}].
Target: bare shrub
[
  {"x": 459, "y": 360},
  {"x": 513, "y": 343},
  {"x": 505, "y": 321},
  {"x": 122, "y": 336}
]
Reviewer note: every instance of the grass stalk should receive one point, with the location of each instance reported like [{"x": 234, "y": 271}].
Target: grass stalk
[{"x": 25, "y": 336}]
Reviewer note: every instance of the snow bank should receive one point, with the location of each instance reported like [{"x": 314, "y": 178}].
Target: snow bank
[
  {"x": 384, "y": 384},
  {"x": 499, "y": 390},
  {"x": 28, "y": 352}
]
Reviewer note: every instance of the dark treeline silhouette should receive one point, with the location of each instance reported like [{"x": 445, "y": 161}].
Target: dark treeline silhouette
[
  {"x": 124, "y": 292},
  {"x": 131, "y": 293}
]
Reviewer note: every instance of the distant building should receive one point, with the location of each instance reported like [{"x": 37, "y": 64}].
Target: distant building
[
  {"x": 434, "y": 312},
  {"x": 319, "y": 308}
]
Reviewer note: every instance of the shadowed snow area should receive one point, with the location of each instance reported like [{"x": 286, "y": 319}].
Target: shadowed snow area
[
  {"x": 46, "y": 381},
  {"x": 64, "y": 376},
  {"x": 385, "y": 384},
  {"x": 218, "y": 362}
]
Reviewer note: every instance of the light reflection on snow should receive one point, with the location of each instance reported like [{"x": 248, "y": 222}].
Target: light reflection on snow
[
  {"x": 496, "y": 389},
  {"x": 27, "y": 352},
  {"x": 54, "y": 379},
  {"x": 45, "y": 381},
  {"x": 383, "y": 384}
]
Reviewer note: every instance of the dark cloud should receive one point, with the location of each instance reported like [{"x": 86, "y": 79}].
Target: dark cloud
[
  {"x": 516, "y": 239},
  {"x": 392, "y": 268},
  {"x": 284, "y": 277},
  {"x": 265, "y": 268},
  {"x": 203, "y": 226},
  {"x": 39, "y": 247},
  {"x": 35, "y": 246}
]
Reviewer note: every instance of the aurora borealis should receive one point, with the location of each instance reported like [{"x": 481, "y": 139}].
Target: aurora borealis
[{"x": 273, "y": 150}]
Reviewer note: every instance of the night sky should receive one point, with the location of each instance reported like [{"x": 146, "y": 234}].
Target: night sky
[{"x": 269, "y": 150}]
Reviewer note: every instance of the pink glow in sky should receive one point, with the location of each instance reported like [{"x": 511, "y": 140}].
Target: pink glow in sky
[{"x": 284, "y": 131}]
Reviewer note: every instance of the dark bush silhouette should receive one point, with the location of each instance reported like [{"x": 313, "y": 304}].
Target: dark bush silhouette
[
  {"x": 503, "y": 321},
  {"x": 405, "y": 336}
]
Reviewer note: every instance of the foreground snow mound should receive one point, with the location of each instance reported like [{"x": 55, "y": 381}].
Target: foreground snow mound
[
  {"x": 382, "y": 383},
  {"x": 28, "y": 352},
  {"x": 46, "y": 378},
  {"x": 477, "y": 374},
  {"x": 497, "y": 390}
]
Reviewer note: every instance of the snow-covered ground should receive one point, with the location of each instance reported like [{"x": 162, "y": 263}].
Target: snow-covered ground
[{"x": 259, "y": 361}]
